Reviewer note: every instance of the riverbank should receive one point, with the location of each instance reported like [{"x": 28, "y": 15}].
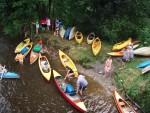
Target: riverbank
[{"x": 90, "y": 65}]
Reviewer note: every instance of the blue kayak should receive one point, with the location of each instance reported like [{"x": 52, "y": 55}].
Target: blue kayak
[
  {"x": 10, "y": 75},
  {"x": 143, "y": 64},
  {"x": 67, "y": 33}
]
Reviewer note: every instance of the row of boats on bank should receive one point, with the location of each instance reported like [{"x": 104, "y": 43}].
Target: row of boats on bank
[
  {"x": 117, "y": 49},
  {"x": 66, "y": 89}
]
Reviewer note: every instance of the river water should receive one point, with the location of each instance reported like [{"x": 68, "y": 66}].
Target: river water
[{"x": 32, "y": 94}]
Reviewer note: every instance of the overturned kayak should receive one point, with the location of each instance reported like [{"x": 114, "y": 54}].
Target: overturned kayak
[
  {"x": 10, "y": 75},
  {"x": 146, "y": 69},
  {"x": 143, "y": 64},
  {"x": 143, "y": 51}
]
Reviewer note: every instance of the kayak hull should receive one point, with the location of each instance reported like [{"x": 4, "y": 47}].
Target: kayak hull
[{"x": 10, "y": 75}]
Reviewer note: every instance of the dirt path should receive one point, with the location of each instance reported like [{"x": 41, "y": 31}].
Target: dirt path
[{"x": 107, "y": 82}]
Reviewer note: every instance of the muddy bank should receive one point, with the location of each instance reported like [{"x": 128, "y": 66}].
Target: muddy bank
[{"x": 107, "y": 82}]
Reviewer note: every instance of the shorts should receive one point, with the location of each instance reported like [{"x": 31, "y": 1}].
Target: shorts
[
  {"x": 82, "y": 88},
  {"x": 124, "y": 60}
]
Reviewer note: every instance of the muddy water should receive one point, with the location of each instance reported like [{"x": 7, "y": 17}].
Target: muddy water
[{"x": 32, "y": 94}]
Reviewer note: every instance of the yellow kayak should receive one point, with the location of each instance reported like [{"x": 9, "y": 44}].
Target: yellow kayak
[
  {"x": 66, "y": 61},
  {"x": 79, "y": 37},
  {"x": 90, "y": 38},
  {"x": 22, "y": 45},
  {"x": 121, "y": 45},
  {"x": 29, "y": 46},
  {"x": 45, "y": 67},
  {"x": 96, "y": 46}
]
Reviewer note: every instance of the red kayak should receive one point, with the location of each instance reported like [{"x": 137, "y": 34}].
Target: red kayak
[{"x": 72, "y": 97}]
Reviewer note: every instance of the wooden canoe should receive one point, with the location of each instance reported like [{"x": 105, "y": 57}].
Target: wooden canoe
[
  {"x": 21, "y": 45},
  {"x": 66, "y": 61},
  {"x": 122, "y": 105},
  {"x": 121, "y": 45},
  {"x": 90, "y": 38},
  {"x": 96, "y": 46},
  {"x": 143, "y": 51},
  {"x": 34, "y": 55},
  {"x": 74, "y": 100},
  {"x": 46, "y": 73},
  {"x": 146, "y": 69},
  {"x": 79, "y": 37},
  {"x": 72, "y": 33}
]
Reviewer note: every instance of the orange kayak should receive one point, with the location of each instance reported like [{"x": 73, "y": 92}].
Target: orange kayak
[{"x": 34, "y": 55}]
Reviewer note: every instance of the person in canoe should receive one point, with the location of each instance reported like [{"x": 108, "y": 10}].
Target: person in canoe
[
  {"x": 45, "y": 66},
  {"x": 19, "y": 58},
  {"x": 81, "y": 84},
  {"x": 107, "y": 65},
  {"x": 2, "y": 69},
  {"x": 69, "y": 74}
]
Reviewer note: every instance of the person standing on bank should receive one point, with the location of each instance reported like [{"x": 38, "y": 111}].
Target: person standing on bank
[
  {"x": 81, "y": 84},
  {"x": 48, "y": 23},
  {"x": 57, "y": 27},
  {"x": 108, "y": 65},
  {"x": 126, "y": 57}
]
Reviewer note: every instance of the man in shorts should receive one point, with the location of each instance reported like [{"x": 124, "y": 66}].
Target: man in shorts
[{"x": 81, "y": 84}]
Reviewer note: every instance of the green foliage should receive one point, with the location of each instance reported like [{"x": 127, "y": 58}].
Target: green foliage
[{"x": 137, "y": 85}]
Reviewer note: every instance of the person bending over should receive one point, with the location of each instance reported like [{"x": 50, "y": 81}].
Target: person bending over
[
  {"x": 69, "y": 74},
  {"x": 81, "y": 84}
]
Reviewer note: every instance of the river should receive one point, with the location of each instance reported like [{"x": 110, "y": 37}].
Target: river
[{"x": 32, "y": 94}]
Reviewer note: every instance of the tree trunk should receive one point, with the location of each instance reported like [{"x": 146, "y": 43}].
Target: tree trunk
[{"x": 49, "y": 11}]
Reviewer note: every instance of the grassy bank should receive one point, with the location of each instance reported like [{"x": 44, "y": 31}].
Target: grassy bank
[{"x": 137, "y": 86}]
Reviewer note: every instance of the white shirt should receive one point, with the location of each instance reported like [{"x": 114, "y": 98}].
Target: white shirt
[
  {"x": 48, "y": 22},
  {"x": 81, "y": 81}
]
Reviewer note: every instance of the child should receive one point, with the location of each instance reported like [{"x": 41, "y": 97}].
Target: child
[{"x": 108, "y": 65}]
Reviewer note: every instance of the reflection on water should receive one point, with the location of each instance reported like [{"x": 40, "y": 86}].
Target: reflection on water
[{"x": 32, "y": 94}]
